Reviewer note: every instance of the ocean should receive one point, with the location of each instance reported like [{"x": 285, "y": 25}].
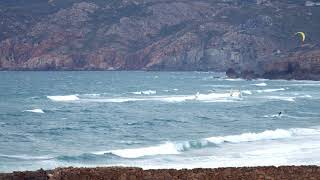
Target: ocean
[{"x": 155, "y": 120}]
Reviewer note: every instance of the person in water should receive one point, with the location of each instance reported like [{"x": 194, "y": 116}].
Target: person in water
[{"x": 280, "y": 113}]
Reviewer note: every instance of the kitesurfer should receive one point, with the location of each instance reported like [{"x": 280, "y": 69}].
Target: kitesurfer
[{"x": 302, "y": 34}]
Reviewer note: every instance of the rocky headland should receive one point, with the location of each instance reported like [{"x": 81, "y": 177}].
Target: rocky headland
[
  {"x": 245, "y": 38},
  {"x": 107, "y": 173}
]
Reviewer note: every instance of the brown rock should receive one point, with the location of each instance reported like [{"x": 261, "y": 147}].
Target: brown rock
[{"x": 252, "y": 37}]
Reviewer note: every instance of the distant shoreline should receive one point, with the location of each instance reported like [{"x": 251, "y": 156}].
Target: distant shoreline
[{"x": 267, "y": 172}]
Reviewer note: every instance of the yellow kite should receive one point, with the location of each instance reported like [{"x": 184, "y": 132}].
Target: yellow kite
[{"x": 303, "y": 35}]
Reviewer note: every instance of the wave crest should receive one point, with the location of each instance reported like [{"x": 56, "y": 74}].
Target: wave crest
[
  {"x": 173, "y": 148},
  {"x": 167, "y": 148},
  {"x": 64, "y": 98},
  {"x": 260, "y": 84},
  {"x": 35, "y": 111},
  {"x": 211, "y": 97},
  {"x": 270, "y": 90},
  {"x": 148, "y": 92}
]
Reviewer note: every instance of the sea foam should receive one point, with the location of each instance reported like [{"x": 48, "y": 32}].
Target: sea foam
[
  {"x": 26, "y": 157},
  {"x": 64, "y": 98},
  {"x": 173, "y": 148},
  {"x": 270, "y": 90},
  {"x": 282, "y": 98},
  {"x": 246, "y": 92},
  {"x": 35, "y": 111},
  {"x": 148, "y": 92},
  {"x": 248, "y": 137},
  {"x": 260, "y": 84},
  {"x": 167, "y": 148},
  {"x": 211, "y": 97}
]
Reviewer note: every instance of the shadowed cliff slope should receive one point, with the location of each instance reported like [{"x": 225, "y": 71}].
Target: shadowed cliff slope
[{"x": 249, "y": 38}]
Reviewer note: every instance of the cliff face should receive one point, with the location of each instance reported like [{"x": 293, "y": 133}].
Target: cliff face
[{"x": 236, "y": 35}]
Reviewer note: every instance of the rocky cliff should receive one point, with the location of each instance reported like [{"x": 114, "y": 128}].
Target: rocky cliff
[{"x": 247, "y": 38}]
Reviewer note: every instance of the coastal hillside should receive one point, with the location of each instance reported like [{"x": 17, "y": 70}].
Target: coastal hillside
[{"x": 245, "y": 38}]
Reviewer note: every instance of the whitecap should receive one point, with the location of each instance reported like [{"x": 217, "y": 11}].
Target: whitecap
[
  {"x": 272, "y": 116},
  {"x": 305, "y": 96},
  {"x": 265, "y": 135},
  {"x": 147, "y": 92},
  {"x": 246, "y": 92},
  {"x": 167, "y": 148},
  {"x": 282, "y": 98},
  {"x": 214, "y": 96},
  {"x": 92, "y": 95},
  {"x": 174, "y": 148},
  {"x": 218, "y": 85},
  {"x": 304, "y": 84},
  {"x": 26, "y": 157},
  {"x": 238, "y": 79},
  {"x": 260, "y": 84},
  {"x": 167, "y": 90},
  {"x": 261, "y": 79},
  {"x": 270, "y": 90},
  {"x": 173, "y": 99},
  {"x": 113, "y": 100},
  {"x": 211, "y": 97},
  {"x": 35, "y": 111},
  {"x": 64, "y": 98},
  {"x": 248, "y": 137}
]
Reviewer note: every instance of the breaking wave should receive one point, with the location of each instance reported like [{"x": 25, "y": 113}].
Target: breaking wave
[
  {"x": 35, "y": 111},
  {"x": 64, "y": 98},
  {"x": 26, "y": 157},
  {"x": 148, "y": 92},
  {"x": 173, "y": 148},
  {"x": 236, "y": 79},
  {"x": 211, "y": 97},
  {"x": 246, "y": 92},
  {"x": 93, "y": 95},
  {"x": 282, "y": 98},
  {"x": 162, "y": 149},
  {"x": 176, "y": 148},
  {"x": 260, "y": 84},
  {"x": 271, "y": 90}
]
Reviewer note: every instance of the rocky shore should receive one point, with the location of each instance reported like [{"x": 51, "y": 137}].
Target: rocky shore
[
  {"x": 247, "y": 38},
  {"x": 282, "y": 172}
]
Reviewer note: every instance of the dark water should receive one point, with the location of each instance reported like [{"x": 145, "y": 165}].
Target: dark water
[{"x": 155, "y": 120}]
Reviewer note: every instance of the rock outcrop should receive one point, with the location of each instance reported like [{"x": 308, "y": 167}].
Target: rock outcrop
[
  {"x": 248, "y": 173},
  {"x": 251, "y": 38}
]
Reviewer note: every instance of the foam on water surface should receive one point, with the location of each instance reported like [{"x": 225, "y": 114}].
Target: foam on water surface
[
  {"x": 261, "y": 84},
  {"x": 64, "y": 98},
  {"x": 271, "y": 90},
  {"x": 35, "y": 111},
  {"x": 171, "y": 148}
]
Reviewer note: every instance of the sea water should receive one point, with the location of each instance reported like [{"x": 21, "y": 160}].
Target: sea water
[{"x": 155, "y": 120}]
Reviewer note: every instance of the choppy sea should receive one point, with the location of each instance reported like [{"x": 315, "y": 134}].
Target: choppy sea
[{"x": 155, "y": 120}]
